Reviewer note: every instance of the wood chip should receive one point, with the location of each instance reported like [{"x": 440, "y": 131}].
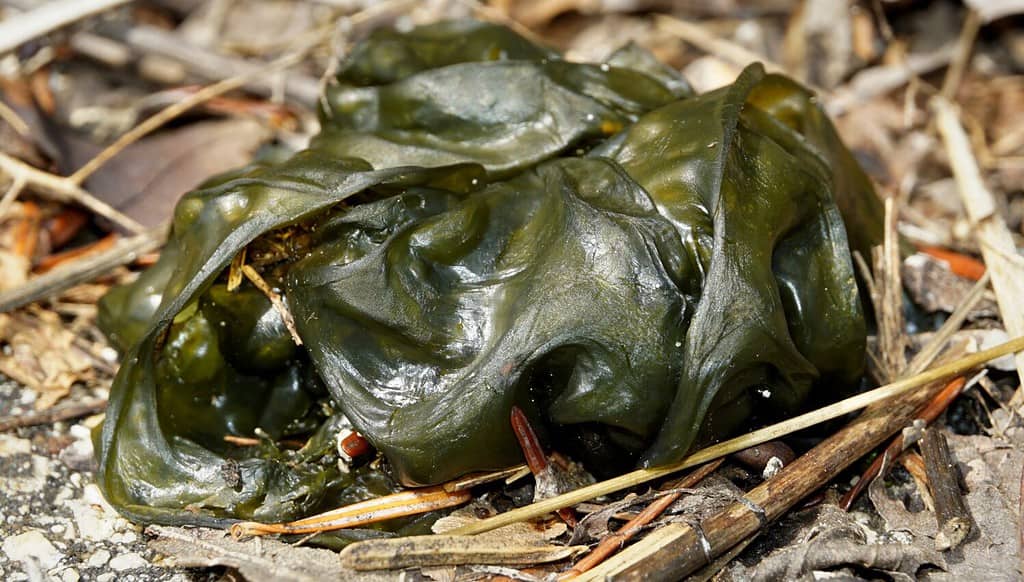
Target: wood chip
[{"x": 444, "y": 550}]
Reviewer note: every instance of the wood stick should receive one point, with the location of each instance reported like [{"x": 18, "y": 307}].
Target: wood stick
[
  {"x": 930, "y": 412},
  {"x": 1020, "y": 522},
  {"x": 21, "y": 28},
  {"x": 843, "y": 407},
  {"x": 83, "y": 270},
  {"x": 685, "y": 549},
  {"x": 613, "y": 542},
  {"x": 63, "y": 190},
  {"x": 989, "y": 226},
  {"x": 943, "y": 480},
  {"x": 52, "y": 415}
]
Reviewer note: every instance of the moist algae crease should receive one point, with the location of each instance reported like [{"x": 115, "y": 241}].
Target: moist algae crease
[{"x": 481, "y": 224}]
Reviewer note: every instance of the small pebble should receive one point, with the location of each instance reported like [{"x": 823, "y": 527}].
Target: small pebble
[
  {"x": 98, "y": 559},
  {"x": 32, "y": 544},
  {"x": 128, "y": 561}
]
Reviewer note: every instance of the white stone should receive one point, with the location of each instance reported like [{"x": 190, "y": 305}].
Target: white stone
[
  {"x": 129, "y": 537},
  {"x": 98, "y": 559},
  {"x": 70, "y": 575},
  {"x": 32, "y": 545},
  {"x": 12, "y": 445},
  {"x": 106, "y": 577},
  {"x": 128, "y": 561},
  {"x": 95, "y": 518}
]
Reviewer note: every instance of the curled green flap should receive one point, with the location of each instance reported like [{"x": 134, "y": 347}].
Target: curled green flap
[{"x": 481, "y": 224}]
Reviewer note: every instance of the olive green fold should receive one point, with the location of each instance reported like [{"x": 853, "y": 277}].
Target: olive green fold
[{"x": 482, "y": 224}]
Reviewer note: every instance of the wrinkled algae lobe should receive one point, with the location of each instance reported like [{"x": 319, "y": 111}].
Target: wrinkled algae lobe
[{"x": 479, "y": 225}]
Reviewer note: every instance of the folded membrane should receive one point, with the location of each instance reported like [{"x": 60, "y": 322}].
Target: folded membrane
[{"x": 479, "y": 225}]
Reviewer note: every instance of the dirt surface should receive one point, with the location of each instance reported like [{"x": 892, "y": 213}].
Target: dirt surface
[{"x": 54, "y": 523}]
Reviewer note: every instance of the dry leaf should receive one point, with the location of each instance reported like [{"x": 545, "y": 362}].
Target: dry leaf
[
  {"x": 931, "y": 285},
  {"x": 146, "y": 179},
  {"x": 39, "y": 352}
]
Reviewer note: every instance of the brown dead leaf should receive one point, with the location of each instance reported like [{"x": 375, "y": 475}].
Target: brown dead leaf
[
  {"x": 39, "y": 352},
  {"x": 146, "y": 179},
  {"x": 931, "y": 285}
]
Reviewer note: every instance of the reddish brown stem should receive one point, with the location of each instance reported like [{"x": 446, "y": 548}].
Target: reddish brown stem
[
  {"x": 610, "y": 544},
  {"x": 929, "y": 413},
  {"x": 63, "y": 226},
  {"x": 26, "y": 235},
  {"x": 960, "y": 264},
  {"x": 536, "y": 460},
  {"x": 52, "y": 261}
]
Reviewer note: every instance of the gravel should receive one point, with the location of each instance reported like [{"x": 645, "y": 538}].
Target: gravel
[{"x": 54, "y": 523}]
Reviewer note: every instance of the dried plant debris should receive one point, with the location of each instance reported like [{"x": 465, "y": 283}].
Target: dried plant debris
[
  {"x": 40, "y": 352},
  {"x": 879, "y": 64},
  {"x": 827, "y": 539},
  {"x": 146, "y": 180},
  {"x": 991, "y": 478},
  {"x": 258, "y": 560},
  {"x": 934, "y": 287}
]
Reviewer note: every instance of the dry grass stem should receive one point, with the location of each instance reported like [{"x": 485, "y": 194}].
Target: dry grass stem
[
  {"x": 64, "y": 190},
  {"x": 275, "y": 300},
  {"x": 964, "y": 47},
  {"x": 17, "y": 185},
  {"x": 989, "y": 226},
  {"x": 726, "y": 50},
  {"x": 933, "y": 348},
  {"x": 745, "y": 441},
  {"x": 19, "y": 29},
  {"x": 14, "y": 120},
  {"x": 86, "y": 269},
  {"x": 172, "y": 111},
  {"x": 887, "y": 296}
]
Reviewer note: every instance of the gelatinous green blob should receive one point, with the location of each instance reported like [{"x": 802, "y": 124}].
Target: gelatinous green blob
[{"x": 481, "y": 224}]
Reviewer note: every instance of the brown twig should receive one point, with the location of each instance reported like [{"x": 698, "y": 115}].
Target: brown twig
[
  {"x": 904, "y": 389},
  {"x": 952, "y": 514},
  {"x": 1020, "y": 522},
  {"x": 86, "y": 269},
  {"x": 929, "y": 413},
  {"x": 64, "y": 190},
  {"x": 683, "y": 549},
  {"x": 536, "y": 460},
  {"x": 52, "y": 415},
  {"x": 610, "y": 544}
]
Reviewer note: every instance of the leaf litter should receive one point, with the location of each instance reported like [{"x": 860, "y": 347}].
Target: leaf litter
[{"x": 990, "y": 464}]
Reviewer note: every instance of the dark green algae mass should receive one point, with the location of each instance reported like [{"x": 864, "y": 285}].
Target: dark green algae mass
[{"x": 481, "y": 224}]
